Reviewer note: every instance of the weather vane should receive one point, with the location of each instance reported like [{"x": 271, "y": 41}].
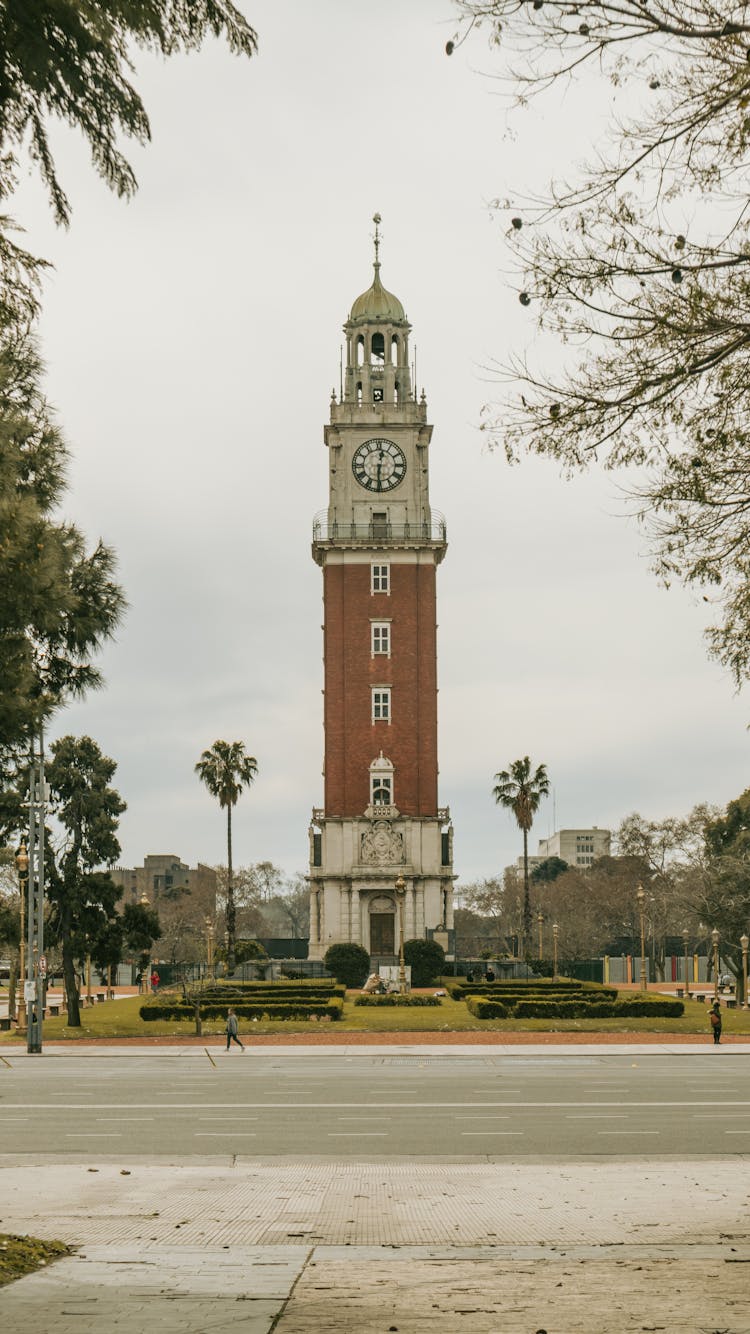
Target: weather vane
[{"x": 377, "y": 220}]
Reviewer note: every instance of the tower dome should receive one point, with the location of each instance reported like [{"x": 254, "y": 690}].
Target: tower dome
[{"x": 377, "y": 303}]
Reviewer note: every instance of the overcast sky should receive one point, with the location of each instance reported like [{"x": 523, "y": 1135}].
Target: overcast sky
[{"x": 192, "y": 341}]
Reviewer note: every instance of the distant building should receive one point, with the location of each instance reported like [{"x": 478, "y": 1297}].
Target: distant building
[
  {"x": 160, "y": 873},
  {"x": 577, "y": 847}
]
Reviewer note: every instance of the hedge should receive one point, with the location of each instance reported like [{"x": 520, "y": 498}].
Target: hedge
[
  {"x": 512, "y": 998},
  {"x": 577, "y": 1009},
  {"x": 331, "y": 1009},
  {"x": 278, "y": 994},
  {"x": 397, "y": 1000},
  {"x": 486, "y": 1009},
  {"x": 460, "y": 989}
]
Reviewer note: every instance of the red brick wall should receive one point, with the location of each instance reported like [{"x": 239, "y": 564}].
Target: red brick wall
[{"x": 352, "y": 740}]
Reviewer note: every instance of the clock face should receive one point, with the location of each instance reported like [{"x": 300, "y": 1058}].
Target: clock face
[{"x": 379, "y": 465}]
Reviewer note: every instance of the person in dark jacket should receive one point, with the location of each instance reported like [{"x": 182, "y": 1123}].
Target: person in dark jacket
[
  {"x": 232, "y": 1030},
  {"x": 714, "y": 1016}
]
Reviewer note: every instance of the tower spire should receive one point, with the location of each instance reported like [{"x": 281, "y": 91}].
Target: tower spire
[{"x": 377, "y": 220}]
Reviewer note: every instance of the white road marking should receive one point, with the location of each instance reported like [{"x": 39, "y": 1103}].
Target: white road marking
[{"x": 364, "y": 1106}]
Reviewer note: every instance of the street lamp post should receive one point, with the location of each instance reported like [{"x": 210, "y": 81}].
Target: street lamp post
[
  {"x": 540, "y": 923},
  {"x": 210, "y": 947},
  {"x": 22, "y": 863},
  {"x": 400, "y": 887},
  {"x": 715, "y": 943},
  {"x": 685, "y": 938},
  {"x": 641, "y": 898},
  {"x": 555, "y": 933},
  {"x": 744, "y": 942},
  {"x": 146, "y": 974}
]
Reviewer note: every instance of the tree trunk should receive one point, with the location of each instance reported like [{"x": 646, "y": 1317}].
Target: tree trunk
[
  {"x": 231, "y": 913},
  {"x": 12, "y": 982},
  {"x": 198, "y": 1024},
  {"x": 71, "y": 989},
  {"x": 526, "y": 897}
]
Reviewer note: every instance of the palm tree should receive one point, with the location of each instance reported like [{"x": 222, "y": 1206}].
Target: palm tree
[
  {"x": 520, "y": 791},
  {"x": 226, "y": 769}
]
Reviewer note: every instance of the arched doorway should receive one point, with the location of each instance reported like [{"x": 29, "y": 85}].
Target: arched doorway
[{"x": 382, "y": 914}]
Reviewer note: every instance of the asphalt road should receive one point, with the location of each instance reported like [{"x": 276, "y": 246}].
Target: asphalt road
[{"x": 372, "y": 1106}]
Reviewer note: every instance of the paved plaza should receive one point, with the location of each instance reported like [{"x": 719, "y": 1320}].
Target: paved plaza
[{"x": 358, "y": 1240}]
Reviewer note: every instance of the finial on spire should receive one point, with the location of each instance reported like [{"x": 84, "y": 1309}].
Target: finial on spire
[{"x": 377, "y": 220}]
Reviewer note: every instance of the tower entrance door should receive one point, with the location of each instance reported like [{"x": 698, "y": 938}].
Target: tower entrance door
[{"x": 382, "y": 933}]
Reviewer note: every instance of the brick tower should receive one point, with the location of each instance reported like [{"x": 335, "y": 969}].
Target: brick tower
[{"x": 379, "y": 544}]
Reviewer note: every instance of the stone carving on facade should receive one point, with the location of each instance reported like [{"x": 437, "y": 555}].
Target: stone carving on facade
[{"x": 382, "y": 845}]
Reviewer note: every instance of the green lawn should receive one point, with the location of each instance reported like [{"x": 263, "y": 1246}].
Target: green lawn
[{"x": 120, "y": 1019}]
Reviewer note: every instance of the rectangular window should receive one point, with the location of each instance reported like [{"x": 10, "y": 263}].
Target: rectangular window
[
  {"x": 380, "y": 578},
  {"x": 381, "y": 704},
  {"x": 381, "y": 637},
  {"x": 381, "y": 790}
]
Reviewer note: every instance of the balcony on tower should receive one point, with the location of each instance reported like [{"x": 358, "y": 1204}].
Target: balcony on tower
[{"x": 378, "y": 531}]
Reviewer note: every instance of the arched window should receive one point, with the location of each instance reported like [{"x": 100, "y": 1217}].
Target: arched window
[
  {"x": 395, "y": 344},
  {"x": 378, "y": 347},
  {"x": 396, "y": 392},
  {"x": 381, "y": 781},
  {"x": 359, "y": 393},
  {"x": 361, "y": 350}
]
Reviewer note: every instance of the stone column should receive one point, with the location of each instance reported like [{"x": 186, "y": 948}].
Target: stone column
[
  {"x": 314, "y": 938},
  {"x": 356, "y": 916}
]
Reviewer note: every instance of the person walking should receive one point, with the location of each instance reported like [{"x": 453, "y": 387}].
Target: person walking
[
  {"x": 231, "y": 1030},
  {"x": 714, "y": 1016}
]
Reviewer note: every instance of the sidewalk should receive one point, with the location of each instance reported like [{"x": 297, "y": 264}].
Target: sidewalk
[
  {"x": 405, "y": 1044},
  {"x": 363, "y": 1248}
]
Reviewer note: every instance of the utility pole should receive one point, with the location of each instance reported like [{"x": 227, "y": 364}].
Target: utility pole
[{"x": 35, "y": 961}]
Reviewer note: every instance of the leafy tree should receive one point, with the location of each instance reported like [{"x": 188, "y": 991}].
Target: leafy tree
[
  {"x": 723, "y": 899},
  {"x": 668, "y": 858},
  {"x": 548, "y": 870},
  {"x": 291, "y": 908},
  {"x": 349, "y": 963},
  {"x": 521, "y": 792},
  {"x": 641, "y": 268},
  {"x": 58, "y": 601},
  {"x": 226, "y": 769},
  {"x": 83, "y": 900},
  {"x": 427, "y": 961},
  {"x": 69, "y": 60}
]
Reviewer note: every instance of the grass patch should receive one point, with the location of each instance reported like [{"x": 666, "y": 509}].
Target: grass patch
[
  {"x": 22, "y": 1255},
  {"x": 121, "y": 1019}
]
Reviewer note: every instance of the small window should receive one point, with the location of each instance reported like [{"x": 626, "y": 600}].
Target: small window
[
  {"x": 378, "y": 347},
  {"x": 380, "y": 525},
  {"x": 377, "y": 395},
  {"x": 381, "y": 704},
  {"x": 381, "y": 637},
  {"x": 380, "y": 578},
  {"x": 382, "y": 791}
]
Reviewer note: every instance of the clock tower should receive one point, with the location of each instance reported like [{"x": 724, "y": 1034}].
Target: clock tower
[{"x": 379, "y": 544}]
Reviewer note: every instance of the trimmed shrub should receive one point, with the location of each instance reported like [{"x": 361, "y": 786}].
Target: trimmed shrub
[
  {"x": 331, "y": 1009},
  {"x": 486, "y": 1009},
  {"x": 349, "y": 963},
  {"x": 397, "y": 1000},
  {"x": 578, "y": 1009},
  {"x": 517, "y": 986},
  {"x": 427, "y": 960}
]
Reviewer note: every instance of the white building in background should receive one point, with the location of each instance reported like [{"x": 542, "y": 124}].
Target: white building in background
[{"x": 577, "y": 847}]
